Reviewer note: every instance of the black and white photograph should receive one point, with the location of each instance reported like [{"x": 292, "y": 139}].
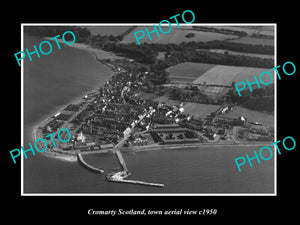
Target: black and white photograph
[
  {"x": 149, "y": 109},
  {"x": 129, "y": 113}
]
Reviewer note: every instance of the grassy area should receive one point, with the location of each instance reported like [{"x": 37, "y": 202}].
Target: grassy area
[
  {"x": 166, "y": 99},
  {"x": 189, "y": 70},
  {"x": 147, "y": 95},
  {"x": 222, "y": 51},
  {"x": 225, "y": 75},
  {"x": 176, "y": 35},
  {"x": 199, "y": 73},
  {"x": 267, "y": 30},
  {"x": 262, "y": 104},
  {"x": 197, "y": 109},
  {"x": 253, "y": 41},
  {"x": 178, "y": 79},
  {"x": 254, "y": 116},
  {"x": 107, "y": 30},
  {"x": 246, "y": 29}
]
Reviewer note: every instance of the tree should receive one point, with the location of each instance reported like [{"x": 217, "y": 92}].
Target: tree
[
  {"x": 259, "y": 92},
  {"x": 180, "y": 136},
  {"x": 170, "y": 136}
]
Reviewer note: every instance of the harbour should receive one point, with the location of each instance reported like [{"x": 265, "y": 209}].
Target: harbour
[
  {"x": 88, "y": 166},
  {"x": 124, "y": 173},
  {"x": 120, "y": 177},
  {"x": 208, "y": 171}
]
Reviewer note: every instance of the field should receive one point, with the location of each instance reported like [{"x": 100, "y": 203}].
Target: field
[
  {"x": 188, "y": 71},
  {"x": 254, "y": 41},
  {"x": 182, "y": 79},
  {"x": 165, "y": 98},
  {"x": 222, "y": 51},
  {"x": 254, "y": 116},
  {"x": 250, "y": 30},
  {"x": 198, "y": 73},
  {"x": 176, "y": 35},
  {"x": 200, "y": 110},
  {"x": 116, "y": 30},
  {"x": 107, "y": 30},
  {"x": 148, "y": 96},
  {"x": 266, "y": 30},
  {"x": 225, "y": 75},
  {"x": 195, "y": 109}
]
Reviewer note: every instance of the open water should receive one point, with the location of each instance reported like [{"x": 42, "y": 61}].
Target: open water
[{"x": 50, "y": 82}]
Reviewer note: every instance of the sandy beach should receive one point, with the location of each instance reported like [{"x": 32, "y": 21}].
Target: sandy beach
[{"x": 65, "y": 157}]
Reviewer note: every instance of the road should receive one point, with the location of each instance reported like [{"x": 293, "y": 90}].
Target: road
[
  {"x": 117, "y": 147},
  {"x": 126, "y": 136}
]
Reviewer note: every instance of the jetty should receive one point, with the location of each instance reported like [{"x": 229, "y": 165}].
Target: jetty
[
  {"x": 88, "y": 166},
  {"x": 141, "y": 183},
  {"x": 121, "y": 160},
  {"x": 121, "y": 178},
  {"x": 124, "y": 173}
]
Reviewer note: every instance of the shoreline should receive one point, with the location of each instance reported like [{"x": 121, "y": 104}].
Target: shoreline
[
  {"x": 195, "y": 145},
  {"x": 71, "y": 156},
  {"x": 51, "y": 153}
]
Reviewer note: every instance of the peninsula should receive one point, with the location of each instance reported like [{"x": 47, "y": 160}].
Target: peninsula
[{"x": 140, "y": 109}]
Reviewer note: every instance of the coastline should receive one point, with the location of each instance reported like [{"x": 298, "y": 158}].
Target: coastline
[
  {"x": 52, "y": 154},
  {"x": 58, "y": 153},
  {"x": 70, "y": 156},
  {"x": 98, "y": 54},
  {"x": 190, "y": 146}
]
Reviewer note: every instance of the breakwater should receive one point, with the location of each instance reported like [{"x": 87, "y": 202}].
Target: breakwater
[
  {"x": 137, "y": 182},
  {"x": 88, "y": 166}
]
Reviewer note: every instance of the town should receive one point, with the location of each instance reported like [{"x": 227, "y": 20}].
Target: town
[
  {"x": 165, "y": 95},
  {"x": 104, "y": 116}
]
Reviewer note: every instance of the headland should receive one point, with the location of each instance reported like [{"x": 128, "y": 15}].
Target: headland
[{"x": 118, "y": 117}]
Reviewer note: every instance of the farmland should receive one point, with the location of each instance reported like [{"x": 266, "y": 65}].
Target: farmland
[
  {"x": 188, "y": 71},
  {"x": 266, "y": 30},
  {"x": 176, "y": 36},
  {"x": 108, "y": 30},
  {"x": 250, "y": 30},
  {"x": 202, "y": 82},
  {"x": 192, "y": 108},
  {"x": 201, "y": 67},
  {"x": 200, "y": 73},
  {"x": 198, "y": 109},
  {"x": 264, "y": 118},
  {"x": 222, "y": 51},
  {"x": 254, "y": 41},
  {"x": 225, "y": 75}
]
